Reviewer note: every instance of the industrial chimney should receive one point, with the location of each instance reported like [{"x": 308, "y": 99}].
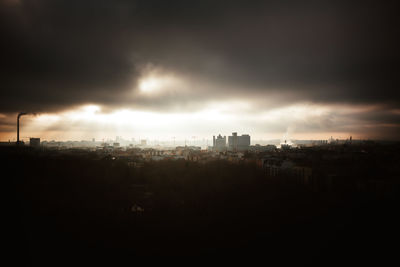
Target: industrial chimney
[{"x": 19, "y": 115}]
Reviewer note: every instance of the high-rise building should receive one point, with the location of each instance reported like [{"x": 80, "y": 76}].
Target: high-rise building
[
  {"x": 219, "y": 143},
  {"x": 238, "y": 143}
]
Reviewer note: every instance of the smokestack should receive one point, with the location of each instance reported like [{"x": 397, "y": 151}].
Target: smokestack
[{"x": 19, "y": 115}]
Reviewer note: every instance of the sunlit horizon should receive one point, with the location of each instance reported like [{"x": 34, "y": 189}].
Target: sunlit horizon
[{"x": 90, "y": 121}]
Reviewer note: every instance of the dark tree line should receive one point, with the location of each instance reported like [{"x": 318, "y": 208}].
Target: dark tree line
[{"x": 82, "y": 208}]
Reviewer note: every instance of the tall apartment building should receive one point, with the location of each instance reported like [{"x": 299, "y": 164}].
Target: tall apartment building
[
  {"x": 219, "y": 143},
  {"x": 238, "y": 143}
]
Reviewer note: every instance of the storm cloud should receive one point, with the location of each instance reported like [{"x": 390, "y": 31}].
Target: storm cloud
[{"x": 56, "y": 55}]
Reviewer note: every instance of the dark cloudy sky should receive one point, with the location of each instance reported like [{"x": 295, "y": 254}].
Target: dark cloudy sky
[{"x": 184, "y": 68}]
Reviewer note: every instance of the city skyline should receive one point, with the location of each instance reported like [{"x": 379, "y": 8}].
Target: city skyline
[{"x": 179, "y": 139}]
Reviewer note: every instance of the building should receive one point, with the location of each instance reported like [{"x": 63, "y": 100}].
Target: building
[
  {"x": 238, "y": 143},
  {"x": 34, "y": 142},
  {"x": 259, "y": 148},
  {"x": 288, "y": 170},
  {"x": 219, "y": 143}
]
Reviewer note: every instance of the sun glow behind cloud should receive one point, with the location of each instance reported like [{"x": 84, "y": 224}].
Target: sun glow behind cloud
[
  {"x": 156, "y": 81},
  {"x": 150, "y": 84}
]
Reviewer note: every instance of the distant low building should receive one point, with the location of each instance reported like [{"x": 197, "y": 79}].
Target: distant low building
[
  {"x": 9, "y": 143},
  {"x": 259, "y": 148},
  {"x": 34, "y": 142}
]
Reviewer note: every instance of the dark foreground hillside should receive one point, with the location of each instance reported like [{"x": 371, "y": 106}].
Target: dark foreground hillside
[{"x": 84, "y": 209}]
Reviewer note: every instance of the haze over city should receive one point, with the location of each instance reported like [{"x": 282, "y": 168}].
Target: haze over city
[
  {"x": 177, "y": 69},
  {"x": 243, "y": 131}
]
